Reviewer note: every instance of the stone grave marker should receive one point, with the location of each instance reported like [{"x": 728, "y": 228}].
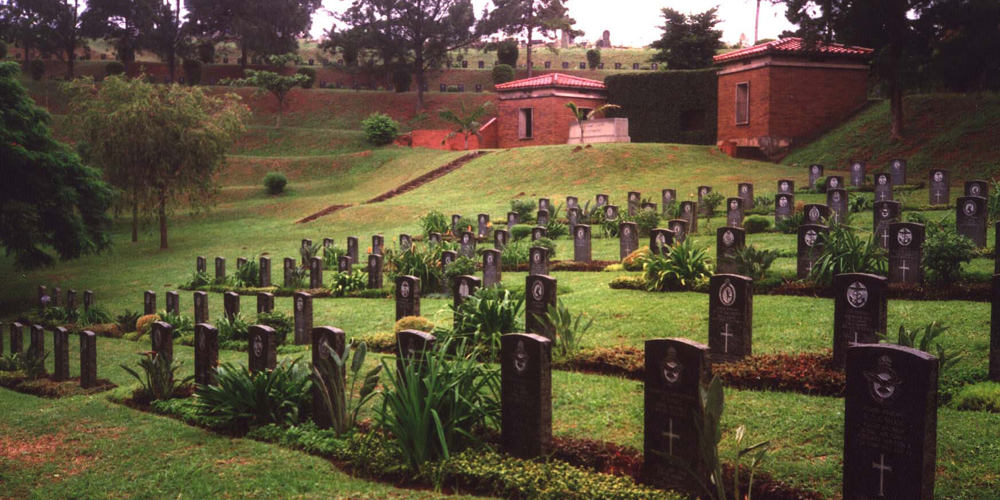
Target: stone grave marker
[
  {"x": 610, "y": 212},
  {"x": 352, "y": 248},
  {"x": 16, "y": 338},
  {"x": 977, "y": 188},
  {"x": 633, "y": 202},
  {"x": 836, "y": 199},
  {"x": 680, "y": 229},
  {"x": 327, "y": 243},
  {"x": 786, "y": 186},
  {"x": 88, "y": 359},
  {"x": 60, "y": 353},
  {"x": 447, "y": 257},
  {"x": 859, "y": 315},
  {"x": 264, "y": 271},
  {"x": 513, "y": 219},
  {"x": 834, "y": 182},
  {"x": 883, "y": 187},
  {"x": 538, "y": 232},
  {"x": 344, "y": 264},
  {"x": 200, "y": 307},
  {"x": 88, "y": 299},
  {"x": 407, "y": 296},
  {"x": 149, "y": 302},
  {"x": 628, "y": 239},
  {"x": 940, "y": 184},
  {"x": 462, "y": 287},
  {"x": 325, "y": 338},
  {"x": 676, "y": 371},
  {"x": 810, "y": 247},
  {"x": 71, "y": 299},
  {"x": 970, "y": 218},
  {"x": 483, "y": 223},
  {"x": 744, "y": 191},
  {"x": 240, "y": 262},
  {"x": 730, "y": 317},
  {"x": 315, "y": 272},
  {"x": 201, "y": 264},
  {"x": 525, "y": 395},
  {"x": 231, "y": 305},
  {"x": 43, "y": 292},
  {"x": 56, "y": 292},
  {"x": 540, "y": 293},
  {"x": 734, "y": 212},
  {"x": 455, "y": 220},
  {"x": 411, "y": 346},
  {"x": 728, "y": 240},
  {"x": 434, "y": 238},
  {"x": 897, "y": 170},
  {"x": 491, "y": 267},
  {"x": 784, "y": 206},
  {"x": 36, "y": 340},
  {"x": 648, "y": 205},
  {"x": 702, "y": 192},
  {"x": 994, "y": 365},
  {"x": 906, "y": 251},
  {"x": 573, "y": 215},
  {"x": 262, "y": 352},
  {"x": 289, "y": 270},
  {"x": 689, "y": 212},
  {"x": 816, "y": 213},
  {"x": 500, "y": 238},
  {"x": 265, "y": 303},
  {"x": 572, "y": 202},
  {"x": 581, "y": 243},
  {"x": 378, "y": 244},
  {"x": 304, "y": 250},
  {"x": 660, "y": 238},
  {"x": 206, "y": 353},
  {"x": 467, "y": 245},
  {"x": 884, "y": 213},
  {"x": 890, "y": 423},
  {"x": 542, "y": 219},
  {"x": 539, "y": 264},
  {"x": 857, "y": 173},
  {"x": 405, "y": 242},
  {"x": 543, "y": 204},
  {"x": 162, "y": 336},
  {"x": 668, "y": 197},
  {"x": 815, "y": 173},
  {"x": 220, "y": 269},
  {"x": 302, "y": 303},
  {"x": 173, "y": 303}
]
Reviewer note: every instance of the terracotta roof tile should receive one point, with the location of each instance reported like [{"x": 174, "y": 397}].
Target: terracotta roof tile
[
  {"x": 552, "y": 80},
  {"x": 793, "y": 46}
]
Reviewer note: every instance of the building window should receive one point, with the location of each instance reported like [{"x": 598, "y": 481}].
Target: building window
[
  {"x": 524, "y": 120},
  {"x": 743, "y": 103},
  {"x": 585, "y": 112}
]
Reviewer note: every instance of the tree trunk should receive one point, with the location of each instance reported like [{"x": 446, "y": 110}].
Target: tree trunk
[
  {"x": 172, "y": 59},
  {"x": 531, "y": 32},
  {"x": 418, "y": 68},
  {"x": 162, "y": 213},
  {"x": 135, "y": 220},
  {"x": 897, "y": 33},
  {"x": 281, "y": 109},
  {"x": 243, "y": 59}
]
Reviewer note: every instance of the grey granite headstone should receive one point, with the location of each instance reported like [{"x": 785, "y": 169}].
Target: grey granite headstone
[
  {"x": 60, "y": 348},
  {"x": 543, "y": 204},
  {"x": 462, "y": 287},
  {"x": 325, "y": 338},
  {"x": 573, "y": 214},
  {"x": 162, "y": 339},
  {"x": 538, "y": 260},
  {"x": 809, "y": 247},
  {"x": 71, "y": 299},
  {"x": 483, "y": 225},
  {"x": 816, "y": 213},
  {"x": 860, "y": 309},
  {"x": 890, "y": 423},
  {"x": 897, "y": 170},
  {"x": 500, "y": 238},
  {"x": 906, "y": 252},
  {"x": 659, "y": 240},
  {"x": 302, "y": 303},
  {"x": 540, "y": 293},
  {"x": 786, "y": 186},
  {"x": 265, "y": 303},
  {"x": 264, "y": 271},
  {"x": 447, "y": 257},
  {"x": 42, "y": 294},
  {"x": 173, "y": 303},
  {"x": 200, "y": 307},
  {"x": 262, "y": 351},
  {"x": 836, "y": 199},
  {"x": 744, "y": 191},
  {"x": 231, "y": 305},
  {"x": 680, "y": 229},
  {"x": 728, "y": 240},
  {"x": 344, "y": 264},
  {"x": 702, "y": 207},
  {"x": 149, "y": 302},
  {"x": 16, "y": 338},
  {"x": 36, "y": 340},
  {"x": 492, "y": 273},
  {"x": 206, "y": 353},
  {"x": 977, "y": 188},
  {"x": 970, "y": 218},
  {"x": 434, "y": 238},
  {"x": 815, "y": 173},
  {"x": 405, "y": 242},
  {"x": 289, "y": 269},
  {"x": 572, "y": 202},
  {"x": 327, "y": 243},
  {"x": 352, "y": 248},
  {"x": 628, "y": 236},
  {"x": 539, "y": 232},
  {"x": 240, "y": 262},
  {"x": 303, "y": 251},
  {"x": 88, "y": 359},
  {"x": 407, "y": 296},
  {"x": 940, "y": 185},
  {"x": 730, "y": 317},
  {"x": 513, "y": 219},
  {"x": 56, "y": 292},
  {"x": 784, "y": 206},
  {"x": 542, "y": 218},
  {"x": 857, "y": 173},
  {"x": 411, "y": 346},
  {"x": 689, "y": 212},
  {"x": 601, "y": 200},
  {"x": 668, "y": 197},
  {"x": 378, "y": 244},
  {"x": 220, "y": 269},
  {"x": 525, "y": 395},
  {"x": 883, "y": 187},
  {"x": 734, "y": 212},
  {"x": 648, "y": 205},
  {"x": 834, "y": 182},
  {"x": 581, "y": 243},
  {"x": 884, "y": 213},
  {"x": 315, "y": 273},
  {"x": 201, "y": 264},
  {"x": 633, "y": 202},
  {"x": 467, "y": 245},
  {"x": 610, "y": 213},
  {"x": 88, "y": 299},
  {"x": 455, "y": 219}
]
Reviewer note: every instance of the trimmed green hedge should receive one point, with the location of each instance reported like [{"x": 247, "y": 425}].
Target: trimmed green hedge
[{"x": 667, "y": 106}]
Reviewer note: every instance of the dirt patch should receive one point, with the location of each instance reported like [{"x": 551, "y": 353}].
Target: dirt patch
[
  {"x": 428, "y": 177},
  {"x": 34, "y": 451},
  {"x": 326, "y": 211},
  {"x": 48, "y": 388}
]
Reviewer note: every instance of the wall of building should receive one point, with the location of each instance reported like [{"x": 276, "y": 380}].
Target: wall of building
[
  {"x": 438, "y": 139},
  {"x": 551, "y": 119},
  {"x": 760, "y": 104}
]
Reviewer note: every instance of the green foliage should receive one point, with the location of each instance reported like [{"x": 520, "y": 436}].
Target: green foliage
[
  {"x": 944, "y": 252},
  {"x": 646, "y": 220},
  {"x": 525, "y": 209},
  {"x": 307, "y": 252},
  {"x": 683, "y": 267},
  {"x": 332, "y": 255},
  {"x": 127, "y": 320},
  {"x": 984, "y": 396},
  {"x": 182, "y": 324},
  {"x": 114, "y": 68},
  {"x": 555, "y": 229},
  {"x": 236, "y": 329},
  {"x": 36, "y": 69},
  {"x": 860, "y": 203},
  {"x": 329, "y": 377},
  {"x": 689, "y": 41},
  {"x": 460, "y": 267},
  {"x": 846, "y": 252},
  {"x": 436, "y": 402},
  {"x": 927, "y": 338},
  {"x": 33, "y": 364},
  {"x": 790, "y": 225},
  {"x": 434, "y": 222},
  {"x": 11, "y": 362},
  {"x": 569, "y": 330},
  {"x": 380, "y": 129},
  {"x": 192, "y": 71},
  {"x": 993, "y": 202},
  {"x": 268, "y": 81},
  {"x": 593, "y": 58},
  {"x": 159, "y": 376},
  {"x": 667, "y": 106},
  {"x": 464, "y": 224},
  {"x": 756, "y": 224},
  {"x": 417, "y": 261},
  {"x": 502, "y": 73},
  {"x": 546, "y": 243},
  {"x": 247, "y": 275},
  {"x": 310, "y": 75},
  {"x": 402, "y": 79},
  {"x": 199, "y": 279},
  {"x": 242, "y": 400},
  {"x": 515, "y": 253},
  {"x": 763, "y": 201},
  {"x": 418, "y": 323},
  {"x": 94, "y": 316},
  {"x": 342, "y": 283},
  {"x": 753, "y": 262},
  {"x": 507, "y": 52},
  {"x": 710, "y": 202},
  {"x": 520, "y": 232},
  {"x": 275, "y": 182},
  {"x": 486, "y": 315},
  {"x": 466, "y": 122},
  {"x": 282, "y": 323}
]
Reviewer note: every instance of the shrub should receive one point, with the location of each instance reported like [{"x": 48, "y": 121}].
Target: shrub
[
  {"x": 984, "y": 396},
  {"x": 593, "y": 58},
  {"x": 944, "y": 252},
  {"x": 94, "y": 315},
  {"x": 113, "y": 68},
  {"x": 516, "y": 252},
  {"x": 307, "y": 252},
  {"x": 667, "y": 106},
  {"x": 790, "y": 225},
  {"x": 159, "y": 381},
  {"x": 633, "y": 261},
  {"x": 401, "y": 79},
  {"x": 198, "y": 279},
  {"x": 418, "y": 323},
  {"x": 486, "y": 315},
  {"x": 756, "y": 224},
  {"x": 329, "y": 378},
  {"x": 525, "y": 208},
  {"x": 568, "y": 330},
  {"x": 310, "y": 75},
  {"x": 710, "y": 202},
  {"x": 434, "y": 222},
  {"x": 464, "y": 224},
  {"x": 628, "y": 283},
  {"x": 763, "y": 201},
  {"x": 546, "y": 243},
  {"x": 144, "y": 323},
  {"x": 236, "y": 329},
  {"x": 520, "y": 231},
  {"x": 127, "y": 320},
  {"x": 37, "y": 69},
  {"x": 422, "y": 263},
  {"x": 646, "y": 220},
  {"x": 192, "y": 71},
  {"x": 683, "y": 267},
  {"x": 460, "y": 267},
  {"x": 275, "y": 182},
  {"x": 502, "y": 73},
  {"x": 555, "y": 229},
  {"x": 753, "y": 262},
  {"x": 182, "y": 324},
  {"x": 331, "y": 256},
  {"x": 380, "y": 129},
  {"x": 247, "y": 275},
  {"x": 507, "y": 52},
  {"x": 343, "y": 283},
  {"x": 282, "y": 324},
  {"x": 845, "y": 252},
  {"x": 242, "y": 400},
  {"x": 860, "y": 203},
  {"x": 921, "y": 339}
]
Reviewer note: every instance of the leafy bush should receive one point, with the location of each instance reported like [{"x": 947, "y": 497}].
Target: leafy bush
[
  {"x": 33, "y": 364},
  {"x": 192, "y": 71},
  {"x": 236, "y": 329},
  {"x": 299, "y": 277},
  {"x": 307, "y": 252},
  {"x": 921, "y": 339},
  {"x": 418, "y": 323},
  {"x": 113, "y": 68},
  {"x": 460, "y": 267},
  {"x": 145, "y": 323},
  {"x": 993, "y": 202},
  {"x": 646, "y": 220},
  {"x": 182, "y": 324},
  {"x": 520, "y": 232},
  {"x": 516, "y": 252},
  {"x": 846, "y": 252},
  {"x": 275, "y": 182},
  {"x": 342, "y": 282},
  {"x": 507, "y": 52},
  {"x": 633, "y": 261},
  {"x": 756, "y": 224},
  {"x": 763, "y": 201},
  {"x": 753, "y": 262},
  {"x": 860, "y": 203},
  {"x": 310, "y": 75},
  {"x": 329, "y": 378},
  {"x": 242, "y": 400},
  {"x": 11, "y": 362},
  {"x": 380, "y": 129},
  {"x": 555, "y": 229},
  {"x": 464, "y": 224},
  {"x": 282, "y": 323},
  {"x": 331, "y": 257},
  {"x": 127, "y": 320},
  {"x": 593, "y": 58},
  {"x": 247, "y": 275},
  {"x": 568, "y": 330},
  {"x": 159, "y": 381},
  {"x": 628, "y": 283},
  {"x": 486, "y": 315},
  {"x": 422, "y": 263},
  {"x": 944, "y": 252},
  {"x": 199, "y": 279},
  {"x": 94, "y": 315},
  {"x": 683, "y": 267},
  {"x": 525, "y": 208},
  {"x": 790, "y": 225},
  {"x": 984, "y": 396},
  {"x": 711, "y": 202},
  {"x": 434, "y": 222}
]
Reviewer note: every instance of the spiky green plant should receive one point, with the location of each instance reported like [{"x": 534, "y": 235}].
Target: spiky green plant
[
  {"x": 329, "y": 376},
  {"x": 242, "y": 400},
  {"x": 159, "y": 375}
]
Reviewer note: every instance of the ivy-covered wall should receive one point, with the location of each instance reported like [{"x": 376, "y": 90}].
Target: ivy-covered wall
[{"x": 667, "y": 106}]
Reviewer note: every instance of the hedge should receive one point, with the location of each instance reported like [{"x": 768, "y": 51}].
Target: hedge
[{"x": 658, "y": 103}]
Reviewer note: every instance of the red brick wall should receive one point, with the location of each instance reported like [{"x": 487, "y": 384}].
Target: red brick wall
[
  {"x": 550, "y": 120},
  {"x": 760, "y": 105}
]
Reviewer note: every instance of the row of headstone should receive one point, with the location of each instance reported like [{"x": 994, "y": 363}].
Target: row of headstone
[
  {"x": 45, "y": 299},
  {"x": 60, "y": 348}
]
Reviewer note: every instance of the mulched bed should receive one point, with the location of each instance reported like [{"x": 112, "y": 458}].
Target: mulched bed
[
  {"x": 970, "y": 291},
  {"x": 569, "y": 265},
  {"x": 48, "y": 388},
  {"x": 326, "y": 211}
]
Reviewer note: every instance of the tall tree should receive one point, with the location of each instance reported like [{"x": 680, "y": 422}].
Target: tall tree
[
  {"x": 48, "y": 198},
  {"x": 61, "y": 20},
  {"x": 529, "y": 17},
  {"x": 689, "y": 41},
  {"x": 119, "y": 22},
  {"x": 277, "y": 84},
  {"x": 162, "y": 144},
  {"x": 20, "y": 22},
  {"x": 166, "y": 35}
]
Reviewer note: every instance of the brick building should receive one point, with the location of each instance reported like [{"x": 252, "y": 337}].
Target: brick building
[
  {"x": 774, "y": 95},
  {"x": 532, "y": 111}
]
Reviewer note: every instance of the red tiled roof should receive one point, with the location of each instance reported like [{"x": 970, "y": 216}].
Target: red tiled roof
[
  {"x": 793, "y": 46},
  {"x": 552, "y": 80}
]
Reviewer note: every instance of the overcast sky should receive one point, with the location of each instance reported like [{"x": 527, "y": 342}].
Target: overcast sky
[{"x": 635, "y": 22}]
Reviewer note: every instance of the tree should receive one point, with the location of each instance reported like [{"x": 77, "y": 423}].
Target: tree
[
  {"x": 277, "y": 84},
  {"x": 466, "y": 122},
  {"x": 160, "y": 144},
  {"x": 688, "y": 41},
  {"x": 507, "y": 52},
  {"x": 593, "y": 58},
  {"x": 514, "y": 17},
  {"x": 120, "y": 22},
  {"x": 48, "y": 198},
  {"x": 61, "y": 20},
  {"x": 581, "y": 114},
  {"x": 21, "y": 21},
  {"x": 166, "y": 36}
]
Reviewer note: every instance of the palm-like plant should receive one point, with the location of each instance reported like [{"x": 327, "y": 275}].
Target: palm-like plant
[
  {"x": 466, "y": 122},
  {"x": 581, "y": 114}
]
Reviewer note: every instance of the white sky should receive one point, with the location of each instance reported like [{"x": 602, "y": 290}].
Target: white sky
[{"x": 634, "y": 22}]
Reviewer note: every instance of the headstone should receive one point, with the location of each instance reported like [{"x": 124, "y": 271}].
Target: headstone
[
  {"x": 572, "y": 202},
  {"x": 206, "y": 353},
  {"x": 56, "y": 292},
  {"x": 689, "y": 212},
  {"x": 542, "y": 217},
  {"x": 262, "y": 351},
  {"x": 857, "y": 173},
  {"x": 540, "y": 293},
  {"x": 525, "y": 395},
  {"x": 378, "y": 244},
  {"x": 897, "y": 170},
  {"x": 539, "y": 232},
  {"x": 834, "y": 182},
  {"x": 352, "y": 248},
  {"x": 231, "y": 305},
  {"x": 513, "y": 219},
  {"x": 265, "y": 303},
  {"x": 220, "y": 269},
  {"x": 483, "y": 225},
  {"x": 744, "y": 191},
  {"x": 734, "y": 212},
  {"x": 628, "y": 239},
  {"x": 539, "y": 260},
  {"x": 42, "y": 294},
  {"x": 883, "y": 187},
  {"x": 327, "y": 243},
  {"x": 543, "y": 204},
  {"x": 16, "y": 338},
  {"x": 676, "y": 372},
  {"x": 884, "y": 213},
  {"x": 264, "y": 271},
  {"x": 573, "y": 215},
  {"x": 581, "y": 243},
  {"x": 467, "y": 245},
  {"x": 434, "y": 238},
  {"x": 60, "y": 348},
  {"x": 173, "y": 303},
  {"x": 728, "y": 240},
  {"x": 455, "y": 219},
  {"x": 462, "y": 287},
  {"x": 447, "y": 257},
  {"x": 200, "y": 307},
  {"x": 890, "y": 423},
  {"x": 302, "y": 303},
  {"x": 71, "y": 299},
  {"x": 836, "y": 199},
  {"x": 405, "y": 242},
  {"x": 407, "y": 296},
  {"x": 240, "y": 262},
  {"x": 970, "y": 218},
  {"x": 668, "y": 197},
  {"x": 784, "y": 206},
  {"x": 491, "y": 267},
  {"x": 786, "y": 186},
  {"x": 810, "y": 247},
  {"x": 411, "y": 346},
  {"x": 88, "y": 359},
  {"x": 702, "y": 207},
  {"x": 816, "y": 213},
  {"x": 648, "y": 205},
  {"x": 36, "y": 340},
  {"x": 149, "y": 302},
  {"x": 680, "y": 229},
  {"x": 88, "y": 299},
  {"x": 162, "y": 336},
  {"x": 730, "y": 317},
  {"x": 815, "y": 173},
  {"x": 994, "y": 365},
  {"x": 610, "y": 212},
  {"x": 906, "y": 252},
  {"x": 325, "y": 338},
  {"x": 289, "y": 272},
  {"x": 977, "y": 188},
  {"x": 659, "y": 240},
  {"x": 859, "y": 315},
  {"x": 601, "y": 199},
  {"x": 344, "y": 264},
  {"x": 940, "y": 184},
  {"x": 633, "y": 202},
  {"x": 304, "y": 249},
  {"x": 315, "y": 273}
]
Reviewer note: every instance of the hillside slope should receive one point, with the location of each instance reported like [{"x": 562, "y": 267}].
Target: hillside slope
[{"x": 955, "y": 131}]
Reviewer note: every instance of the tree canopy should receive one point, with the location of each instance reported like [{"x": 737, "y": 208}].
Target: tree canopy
[
  {"x": 689, "y": 41},
  {"x": 528, "y": 17},
  {"x": 277, "y": 84}
]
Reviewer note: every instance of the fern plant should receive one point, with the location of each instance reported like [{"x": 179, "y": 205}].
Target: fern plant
[
  {"x": 568, "y": 329},
  {"x": 159, "y": 376},
  {"x": 922, "y": 339},
  {"x": 242, "y": 400},
  {"x": 329, "y": 377},
  {"x": 94, "y": 316},
  {"x": 754, "y": 262},
  {"x": 486, "y": 315},
  {"x": 247, "y": 275}
]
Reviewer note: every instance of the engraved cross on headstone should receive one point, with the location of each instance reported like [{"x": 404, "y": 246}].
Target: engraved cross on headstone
[
  {"x": 725, "y": 336},
  {"x": 671, "y": 436},
  {"x": 882, "y": 469},
  {"x": 904, "y": 269}
]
